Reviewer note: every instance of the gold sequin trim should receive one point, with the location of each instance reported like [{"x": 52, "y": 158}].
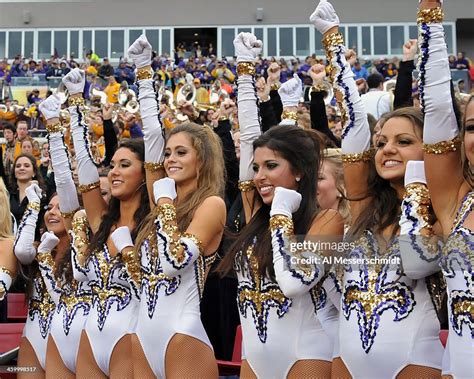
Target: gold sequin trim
[
  {"x": 196, "y": 241},
  {"x": 6, "y": 271},
  {"x": 430, "y": 16},
  {"x": 419, "y": 194},
  {"x": 366, "y": 156},
  {"x": 289, "y": 115},
  {"x": 76, "y": 101},
  {"x": 246, "y": 68},
  {"x": 275, "y": 87},
  {"x": 167, "y": 213},
  {"x": 69, "y": 214},
  {"x": 35, "y": 206},
  {"x": 281, "y": 222},
  {"x": 54, "y": 128},
  {"x": 46, "y": 259},
  {"x": 153, "y": 166},
  {"x": 133, "y": 266},
  {"x": 333, "y": 39},
  {"x": 83, "y": 188},
  {"x": 246, "y": 186},
  {"x": 144, "y": 73},
  {"x": 442, "y": 147}
]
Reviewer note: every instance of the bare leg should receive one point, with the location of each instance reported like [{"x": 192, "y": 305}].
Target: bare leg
[
  {"x": 27, "y": 358},
  {"x": 246, "y": 371},
  {"x": 55, "y": 367},
  {"x": 310, "y": 369},
  {"x": 86, "y": 366},
  {"x": 188, "y": 357}
]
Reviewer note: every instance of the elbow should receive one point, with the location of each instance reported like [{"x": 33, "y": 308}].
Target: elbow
[
  {"x": 292, "y": 290},
  {"x": 25, "y": 255}
]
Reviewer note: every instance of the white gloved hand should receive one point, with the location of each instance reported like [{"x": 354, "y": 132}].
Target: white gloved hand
[
  {"x": 140, "y": 52},
  {"x": 75, "y": 81},
  {"x": 285, "y": 202},
  {"x": 247, "y": 47},
  {"x": 48, "y": 242},
  {"x": 50, "y": 107},
  {"x": 122, "y": 238},
  {"x": 165, "y": 187},
  {"x": 33, "y": 192},
  {"x": 290, "y": 92},
  {"x": 324, "y": 17},
  {"x": 415, "y": 172}
]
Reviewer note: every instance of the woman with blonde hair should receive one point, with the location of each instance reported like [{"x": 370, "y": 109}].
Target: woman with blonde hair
[
  {"x": 8, "y": 261},
  {"x": 177, "y": 243}
]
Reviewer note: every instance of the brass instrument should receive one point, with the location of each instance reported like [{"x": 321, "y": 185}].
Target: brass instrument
[{"x": 217, "y": 95}]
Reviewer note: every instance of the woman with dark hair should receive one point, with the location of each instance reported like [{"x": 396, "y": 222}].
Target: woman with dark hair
[
  {"x": 386, "y": 309},
  {"x": 104, "y": 348},
  {"x": 277, "y": 292},
  {"x": 178, "y": 241},
  {"x": 450, "y": 180},
  {"x": 24, "y": 171}
]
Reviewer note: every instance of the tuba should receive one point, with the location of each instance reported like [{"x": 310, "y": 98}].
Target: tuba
[
  {"x": 187, "y": 93},
  {"x": 216, "y": 94}
]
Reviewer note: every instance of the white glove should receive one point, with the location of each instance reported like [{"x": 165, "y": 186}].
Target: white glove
[
  {"x": 415, "y": 172},
  {"x": 247, "y": 47},
  {"x": 75, "y": 81},
  {"x": 165, "y": 187},
  {"x": 285, "y": 202},
  {"x": 290, "y": 92},
  {"x": 121, "y": 238},
  {"x": 50, "y": 107},
  {"x": 33, "y": 192},
  {"x": 48, "y": 242},
  {"x": 324, "y": 17},
  {"x": 140, "y": 52}
]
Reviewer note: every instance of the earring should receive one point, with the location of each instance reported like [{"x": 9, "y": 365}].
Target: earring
[{"x": 297, "y": 178}]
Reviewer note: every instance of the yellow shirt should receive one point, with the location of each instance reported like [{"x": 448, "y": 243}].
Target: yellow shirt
[{"x": 112, "y": 91}]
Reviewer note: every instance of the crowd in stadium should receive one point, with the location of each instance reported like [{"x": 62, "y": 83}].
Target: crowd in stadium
[{"x": 322, "y": 208}]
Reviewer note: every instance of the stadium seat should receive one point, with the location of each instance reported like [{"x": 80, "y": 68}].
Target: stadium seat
[
  {"x": 17, "y": 307},
  {"x": 10, "y": 334},
  {"x": 229, "y": 368},
  {"x": 443, "y": 336}
]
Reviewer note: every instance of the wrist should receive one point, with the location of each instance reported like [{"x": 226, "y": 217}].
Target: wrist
[
  {"x": 334, "y": 29},
  {"x": 163, "y": 201}
]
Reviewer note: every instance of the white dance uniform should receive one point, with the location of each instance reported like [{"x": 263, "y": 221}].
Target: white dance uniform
[
  {"x": 387, "y": 321},
  {"x": 457, "y": 265},
  {"x": 277, "y": 330},
  {"x": 171, "y": 291},
  {"x": 113, "y": 311},
  {"x": 41, "y": 308}
]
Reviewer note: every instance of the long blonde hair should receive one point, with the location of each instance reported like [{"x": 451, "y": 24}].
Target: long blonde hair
[
  {"x": 210, "y": 177},
  {"x": 5, "y": 215}
]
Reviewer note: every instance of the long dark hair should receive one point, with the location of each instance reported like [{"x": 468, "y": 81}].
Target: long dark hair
[
  {"x": 384, "y": 207},
  {"x": 112, "y": 215},
  {"x": 468, "y": 174},
  {"x": 36, "y": 171},
  {"x": 302, "y": 149}
]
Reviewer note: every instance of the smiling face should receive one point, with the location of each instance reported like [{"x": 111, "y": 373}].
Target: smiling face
[
  {"x": 328, "y": 195},
  {"x": 469, "y": 133},
  {"x": 181, "y": 160},
  {"x": 399, "y": 142},
  {"x": 271, "y": 170},
  {"x": 27, "y": 147},
  {"x": 53, "y": 219},
  {"x": 24, "y": 170},
  {"x": 126, "y": 174}
]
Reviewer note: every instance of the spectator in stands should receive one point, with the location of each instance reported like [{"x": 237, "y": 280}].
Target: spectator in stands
[
  {"x": 53, "y": 70},
  {"x": 112, "y": 90},
  {"x": 359, "y": 71},
  {"x": 8, "y": 149},
  {"x": 124, "y": 72},
  {"x": 452, "y": 62},
  {"x": 461, "y": 86},
  {"x": 376, "y": 101},
  {"x": 462, "y": 63},
  {"x": 21, "y": 130},
  {"x": 33, "y": 97},
  {"x": 106, "y": 69},
  {"x": 202, "y": 95},
  {"x": 63, "y": 69}
]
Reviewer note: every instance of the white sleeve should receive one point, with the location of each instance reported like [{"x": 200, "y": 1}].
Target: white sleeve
[
  {"x": 23, "y": 246},
  {"x": 5, "y": 281}
]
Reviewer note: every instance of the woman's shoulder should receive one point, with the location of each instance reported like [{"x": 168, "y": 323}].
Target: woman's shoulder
[{"x": 328, "y": 220}]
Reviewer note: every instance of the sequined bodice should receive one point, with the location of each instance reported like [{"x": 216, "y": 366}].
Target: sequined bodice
[{"x": 40, "y": 305}]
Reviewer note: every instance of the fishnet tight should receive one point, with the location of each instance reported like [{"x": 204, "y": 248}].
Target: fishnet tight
[
  {"x": 55, "y": 367},
  {"x": 187, "y": 357},
  {"x": 121, "y": 360},
  {"x": 27, "y": 358},
  {"x": 310, "y": 369},
  {"x": 86, "y": 366},
  {"x": 141, "y": 367},
  {"x": 340, "y": 371}
]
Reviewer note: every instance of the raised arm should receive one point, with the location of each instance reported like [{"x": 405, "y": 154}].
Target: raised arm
[
  {"x": 419, "y": 248},
  {"x": 356, "y": 133},
  {"x": 440, "y": 134},
  {"x": 67, "y": 193},
  {"x": 402, "y": 94},
  {"x": 290, "y": 93},
  {"x": 89, "y": 184},
  {"x": 179, "y": 250},
  {"x": 153, "y": 133},
  {"x": 79, "y": 235},
  {"x": 24, "y": 247},
  {"x": 47, "y": 265},
  {"x": 247, "y": 49}
]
